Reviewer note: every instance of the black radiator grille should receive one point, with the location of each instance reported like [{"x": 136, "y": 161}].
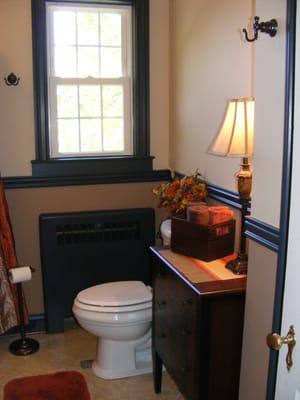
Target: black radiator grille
[
  {"x": 99, "y": 232},
  {"x": 83, "y": 249}
]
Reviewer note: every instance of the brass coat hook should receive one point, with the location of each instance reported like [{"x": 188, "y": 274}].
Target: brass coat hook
[
  {"x": 269, "y": 27},
  {"x": 12, "y": 80}
]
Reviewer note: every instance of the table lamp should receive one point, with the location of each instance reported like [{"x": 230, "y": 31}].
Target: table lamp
[{"x": 235, "y": 139}]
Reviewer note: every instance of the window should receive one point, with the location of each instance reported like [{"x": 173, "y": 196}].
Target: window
[
  {"x": 91, "y": 77},
  {"x": 89, "y": 80}
]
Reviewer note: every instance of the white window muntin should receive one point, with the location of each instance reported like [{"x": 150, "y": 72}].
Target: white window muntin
[{"x": 125, "y": 81}]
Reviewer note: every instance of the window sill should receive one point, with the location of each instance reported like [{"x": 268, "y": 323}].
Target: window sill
[
  {"x": 109, "y": 170},
  {"x": 91, "y": 166}
]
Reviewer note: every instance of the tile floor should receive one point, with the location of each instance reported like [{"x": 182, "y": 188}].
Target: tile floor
[{"x": 64, "y": 351}]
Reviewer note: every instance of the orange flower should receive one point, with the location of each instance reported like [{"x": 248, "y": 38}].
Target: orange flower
[{"x": 177, "y": 193}]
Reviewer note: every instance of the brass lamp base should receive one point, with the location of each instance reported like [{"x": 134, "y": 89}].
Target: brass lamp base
[
  {"x": 244, "y": 180},
  {"x": 239, "y": 266}
]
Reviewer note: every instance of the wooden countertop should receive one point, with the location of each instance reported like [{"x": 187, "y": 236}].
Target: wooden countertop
[{"x": 206, "y": 278}]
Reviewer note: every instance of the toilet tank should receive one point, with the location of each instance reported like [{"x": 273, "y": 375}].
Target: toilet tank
[
  {"x": 82, "y": 249},
  {"x": 166, "y": 231}
]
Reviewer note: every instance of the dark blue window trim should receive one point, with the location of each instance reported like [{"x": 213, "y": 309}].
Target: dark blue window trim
[{"x": 43, "y": 165}]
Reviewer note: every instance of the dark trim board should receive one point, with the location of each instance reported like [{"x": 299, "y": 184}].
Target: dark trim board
[
  {"x": 262, "y": 233},
  {"x": 16, "y": 182},
  {"x": 286, "y": 185}
]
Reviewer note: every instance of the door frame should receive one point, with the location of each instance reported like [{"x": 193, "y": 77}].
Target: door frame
[{"x": 285, "y": 189}]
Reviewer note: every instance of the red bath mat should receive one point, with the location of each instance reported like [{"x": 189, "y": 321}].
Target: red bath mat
[{"x": 69, "y": 385}]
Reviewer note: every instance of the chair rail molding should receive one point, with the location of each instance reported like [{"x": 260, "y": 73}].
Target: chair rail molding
[{"x": 262, "y": 233}]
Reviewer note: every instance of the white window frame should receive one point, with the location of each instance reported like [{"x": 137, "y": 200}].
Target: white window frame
[{"x": 125, "y": 80}]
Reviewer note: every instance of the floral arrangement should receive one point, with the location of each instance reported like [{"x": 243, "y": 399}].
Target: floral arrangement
[{"x": 178, "y": 193}]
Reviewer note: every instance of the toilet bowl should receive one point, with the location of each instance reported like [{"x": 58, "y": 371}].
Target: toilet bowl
[{"x": 119, "y": 314}]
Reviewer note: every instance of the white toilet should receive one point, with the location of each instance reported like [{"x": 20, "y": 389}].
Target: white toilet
[{"x": 120, "y": 315}]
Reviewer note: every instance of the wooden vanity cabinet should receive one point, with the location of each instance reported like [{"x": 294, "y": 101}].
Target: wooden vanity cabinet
[{"x": 197, "y": 333}]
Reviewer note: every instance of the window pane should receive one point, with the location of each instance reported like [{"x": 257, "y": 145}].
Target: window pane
[
  {"x": 68, "y": 135},
  {"x": 111, "y": 62},
  {"x": 67, "y": 103},
  {"x": 87, "y": 25},
  {"x": 88, "y": 62},
  {"x": 65, "y": 62},
  {"x": 113, "y": 134},
  {"x": 64, "y": 27},
  {"x": 112, "y": 96},
  {"x": 111, "y": 29},
  {"x": 90, "y": 130},
  {"x": 90, "y": 101}
]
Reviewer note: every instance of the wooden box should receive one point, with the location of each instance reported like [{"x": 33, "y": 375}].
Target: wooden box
[{"x": 204, "y": 242}]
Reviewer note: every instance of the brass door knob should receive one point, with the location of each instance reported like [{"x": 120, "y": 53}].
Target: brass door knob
[{"x": 276, "y": 341}]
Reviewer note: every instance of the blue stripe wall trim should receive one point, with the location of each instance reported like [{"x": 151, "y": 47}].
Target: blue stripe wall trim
[
  {"x": 223, "y": 195},
  {"x": 37, "y": 323},
  {"x": 262, "y": 233}
]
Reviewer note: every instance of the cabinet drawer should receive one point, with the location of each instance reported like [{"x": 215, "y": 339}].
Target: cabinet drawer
[
  {"x": 175, "y": 327},
  {"x": 164, "y": 313}
]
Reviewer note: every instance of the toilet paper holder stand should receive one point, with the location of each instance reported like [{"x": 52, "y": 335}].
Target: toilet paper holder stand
[{"x": 23, "y": 346}]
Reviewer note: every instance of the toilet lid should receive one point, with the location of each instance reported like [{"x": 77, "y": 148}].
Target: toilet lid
[{"x": 114, "y": 294}]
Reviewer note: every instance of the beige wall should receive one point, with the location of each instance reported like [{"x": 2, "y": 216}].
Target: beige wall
[
  {"x": 17, "y": 147},
  {"x": 159, "y": 82},
  {"x": 269, "y": 86},
  {"x": 210, "y": 64},
  {"x": 16, "y": 103},
  {"x": 258, "y": 322}
]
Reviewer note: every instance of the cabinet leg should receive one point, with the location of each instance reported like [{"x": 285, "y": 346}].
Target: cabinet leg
[{"x": 157, "y": 372}]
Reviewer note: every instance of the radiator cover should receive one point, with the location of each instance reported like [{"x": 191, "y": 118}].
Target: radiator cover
[{"x": 82, "y": 249}]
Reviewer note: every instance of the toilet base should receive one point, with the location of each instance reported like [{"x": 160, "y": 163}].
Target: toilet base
[
  {"x": 118, "y": 374},
  {"x": 121, "y": 359}
]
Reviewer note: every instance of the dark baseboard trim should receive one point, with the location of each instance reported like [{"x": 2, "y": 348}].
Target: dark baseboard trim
[
  {"x": 16, "y": 182},
  {"x": 262, "y": 233},
  {"x": 37, "y": 323}
]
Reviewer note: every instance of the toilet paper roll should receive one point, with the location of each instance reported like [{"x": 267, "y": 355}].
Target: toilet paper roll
[{"x": 20, "y": 274}]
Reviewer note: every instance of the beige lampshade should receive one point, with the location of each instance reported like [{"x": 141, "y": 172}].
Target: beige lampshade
[{"x": 235, "y": 138}]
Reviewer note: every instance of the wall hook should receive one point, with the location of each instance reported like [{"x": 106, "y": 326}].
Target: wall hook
[
  {"x": 269, "y": 27},
  {"x": 12, "y": 80}
]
